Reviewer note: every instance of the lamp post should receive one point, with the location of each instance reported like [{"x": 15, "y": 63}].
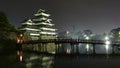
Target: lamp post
[
  {"x": 107, "y": 43},
  {"x": 68, "y": 49},
  {"x": 87, "y": 45},
  {"x": 20, "y": 40}
]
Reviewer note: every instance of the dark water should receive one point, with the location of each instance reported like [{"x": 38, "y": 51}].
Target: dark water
[
  {"x": 86, "y": 62},
  {"x": 36, "y": 61}
]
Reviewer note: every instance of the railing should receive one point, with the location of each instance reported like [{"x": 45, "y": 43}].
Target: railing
[
  {"x": 21, "y": 40},
  {"x": 71, "y": 41}
]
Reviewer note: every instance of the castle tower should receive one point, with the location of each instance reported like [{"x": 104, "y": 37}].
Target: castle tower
[
  {"x": 29, "y": 31},
  {"x": 42, "y": 22},
  {"x": 39, "y": 27}
]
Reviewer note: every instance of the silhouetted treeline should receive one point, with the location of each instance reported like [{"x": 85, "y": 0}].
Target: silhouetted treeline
[{"x": 8, "y": 34}]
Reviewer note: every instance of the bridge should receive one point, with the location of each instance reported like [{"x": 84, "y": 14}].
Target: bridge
[
  {"x": 58, "y": 42},
  {"x": 72, "y": 42}
]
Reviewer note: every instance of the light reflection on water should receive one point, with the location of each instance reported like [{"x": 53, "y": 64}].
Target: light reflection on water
[
  {"x": 38, "y": 61},
  {"x": 42, "y": 61}
]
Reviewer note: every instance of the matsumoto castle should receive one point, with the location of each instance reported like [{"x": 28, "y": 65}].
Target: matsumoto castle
[{"x": 39, "y": 27}]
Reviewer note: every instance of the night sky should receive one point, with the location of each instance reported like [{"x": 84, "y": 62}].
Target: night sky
[{"x": 97, "y": 15}]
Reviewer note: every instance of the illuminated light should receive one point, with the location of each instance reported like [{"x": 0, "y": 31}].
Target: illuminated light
[
  {"x": 20, "y": 54},
  {"x": 67, "y": 32},
  {"x": 48, "y": 24},
  {"x": 30, "y": 29},
  {"x": 68, "y": 50},
  {"x": 106, "y": 38},
  {"x": 44, "y": 14},
  {"x": 85, "y": 35},
  {"x": 34, "y": 34},
  {"x": 18, "y": 40},
  {"x": 48, "y": 33},
  {"x": 87, "y": 46},
  {"x": 107, "y": 47},
  {"x": 87, "y": 38},
  {"x": 119, "y": 32},
  {"x": 27, "y": 23},
  {"x": 30, "y": 20},
  {"x": 43, "y": 24},
  {"x": 49, "y": 20},
  {"x": 48, "y": 29},
  {"x": 43, "y": 18},
  {"x": 21, "y": 35},
  {"x": 107, "y": 42},
  {"x": 21, "y": 58}
]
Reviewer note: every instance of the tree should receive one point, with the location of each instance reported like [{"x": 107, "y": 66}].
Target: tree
[
  {"x": 5, "y": 27},
  {"x": 7, "y": 41},
  {"x": 87, "y": 32}
]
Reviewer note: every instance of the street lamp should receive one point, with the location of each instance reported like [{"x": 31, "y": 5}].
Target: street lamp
[
  {"x": 67, "y": 32},
  {"x": 87, "y": 38},
  {"x": 107, "y": 43},
  {"x": 106, "y": 38},
  {"x": 87, "y": 46}
]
